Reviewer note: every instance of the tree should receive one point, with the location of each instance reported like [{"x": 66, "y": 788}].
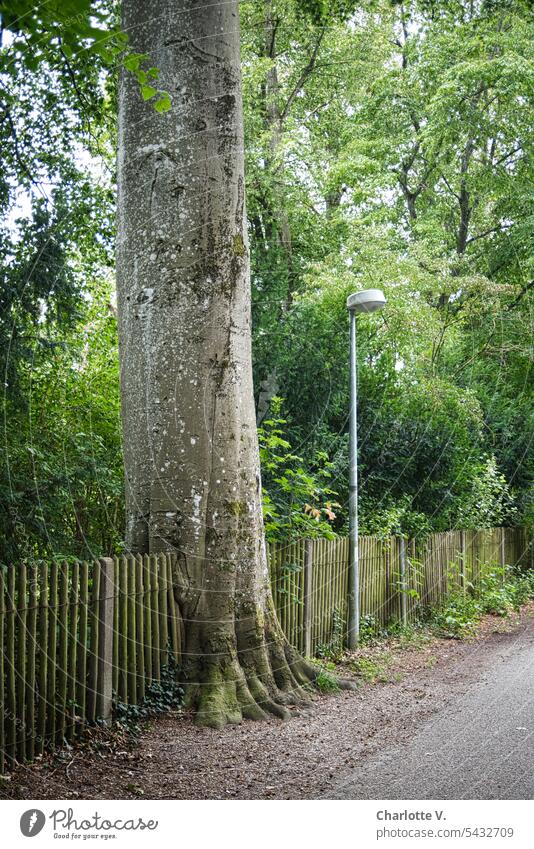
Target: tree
[
  {"x": 424, "y": 108},
  {"x": 387, "y": 144},
  {"x": 56, "y": 245},
  {"x": 190, "y": 444}
]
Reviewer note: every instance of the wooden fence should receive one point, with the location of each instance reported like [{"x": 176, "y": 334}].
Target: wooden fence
[
  {"x": 398, "y": 578},
  {"x": 75, "y": 636},
  {"x": 72, "y": 637}
]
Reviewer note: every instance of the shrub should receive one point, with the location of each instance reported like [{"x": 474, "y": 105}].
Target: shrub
[
  {"x": 499, "y": 591},
  {"x": 458, "y": 616},
  {"x": 161, "y": 696},
  {"x": 326, "y": 683},
  {"x": 334, "y": 649}
]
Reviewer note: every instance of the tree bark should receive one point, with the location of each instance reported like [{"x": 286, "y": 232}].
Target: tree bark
[
  {"x": 275, "y": 126},
  {"x": 190, "y": 444}
]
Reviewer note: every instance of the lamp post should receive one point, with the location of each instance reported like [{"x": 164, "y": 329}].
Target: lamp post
[{"x": 367, "y": 301}]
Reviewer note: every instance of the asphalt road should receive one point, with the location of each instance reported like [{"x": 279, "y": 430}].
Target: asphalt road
[{"x": 480, "y": 746}]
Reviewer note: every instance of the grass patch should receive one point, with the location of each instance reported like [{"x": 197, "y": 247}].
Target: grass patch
[
  {"x": 373, "y": 670},
  {"x": 326, "y": 683}
]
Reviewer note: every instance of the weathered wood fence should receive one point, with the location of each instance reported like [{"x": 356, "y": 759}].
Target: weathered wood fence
[
  {"x": 398, "y": 578},
  {"x": 74, "y": 636}
]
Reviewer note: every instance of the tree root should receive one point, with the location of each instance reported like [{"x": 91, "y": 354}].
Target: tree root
[{"x": 262, "y": 679}]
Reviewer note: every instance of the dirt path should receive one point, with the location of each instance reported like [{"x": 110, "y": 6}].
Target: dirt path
[{"x": 312, "y": 755}]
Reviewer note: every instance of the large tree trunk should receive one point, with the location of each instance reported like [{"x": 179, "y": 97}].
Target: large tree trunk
[{"x": 190, "y": 445}]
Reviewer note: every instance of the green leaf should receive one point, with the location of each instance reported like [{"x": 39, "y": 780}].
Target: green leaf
[
  {"x": 148, "y": 91},
  {"x": 133, "y": 61},
  {"x": 163, "y": 104}
]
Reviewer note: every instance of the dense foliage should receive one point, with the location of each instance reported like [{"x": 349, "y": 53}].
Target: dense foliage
[
  {"x": 392, "y": 149},
  {"x": 387, "y": 145},
  {"x": 500, "y": 592}
]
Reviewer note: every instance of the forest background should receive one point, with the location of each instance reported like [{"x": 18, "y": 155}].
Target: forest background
[{"x": 387, "y": 145}]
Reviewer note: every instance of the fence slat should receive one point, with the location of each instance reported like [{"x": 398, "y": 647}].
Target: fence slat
[
  {"x": 2, "y": 672},
  {"x": 22, "y": 615},
  {"x": 82, "y": 645},
  {"x": 30, "y": 674},
  {"x": 92, "y": 662},
  {"x": 72, "y": 646},
  {"x": 43, "y": 659},
  {"x": 140, "y": 628},
  {"x": 104, "y": 703},
  {"x": 307, "y": 601},
  {"x": 154, "y": 601},
  {"x": 176, "y": 641},
  {"x": 52, "y": 653},
  {"x": 11, "y": 733},
  {"x": 62, "y": 673},
  {"x": 163, "y": 613},
  {"x": 131, "y": 630},
  {"x": 115, "y": 625},
  {"x": 147, "y": 608},
  {"x": 122, "y": 687}
]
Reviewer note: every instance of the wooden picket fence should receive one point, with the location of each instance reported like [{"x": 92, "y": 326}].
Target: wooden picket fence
[
  {"x": 398, "y": 578},
  {"x": 74, "y": 636}
]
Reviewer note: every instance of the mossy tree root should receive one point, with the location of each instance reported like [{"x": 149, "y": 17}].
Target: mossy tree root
[{"x": 252, "y": 681}]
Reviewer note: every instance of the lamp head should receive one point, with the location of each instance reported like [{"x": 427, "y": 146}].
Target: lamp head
[{"x": 370, "y": 300}]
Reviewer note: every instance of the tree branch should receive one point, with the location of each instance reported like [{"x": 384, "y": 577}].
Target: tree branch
[
  {"x": 498, "y": 229},
  {"x": 521, "y": 295},
  {"x": 306, "y": 71}
]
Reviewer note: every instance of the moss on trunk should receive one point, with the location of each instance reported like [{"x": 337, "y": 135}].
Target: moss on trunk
[{"x": 244, "y": 669}]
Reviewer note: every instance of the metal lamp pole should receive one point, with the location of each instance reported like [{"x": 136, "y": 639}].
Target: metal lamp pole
[{"x": 367, "y": 301}]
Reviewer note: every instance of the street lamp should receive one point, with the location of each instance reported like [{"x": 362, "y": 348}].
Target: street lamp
[{"x": 367, "y": 301}]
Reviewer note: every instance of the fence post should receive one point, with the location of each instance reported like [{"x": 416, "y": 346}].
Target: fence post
[
  {"x": 2, "y": 688},
  {"x": 503, "y": 547},
  {"x": 308, "y": 596},
  {"x": 463, "y": 557},
  {"x": 105, "y": 639},
  {"x": 402, "y": 563}
]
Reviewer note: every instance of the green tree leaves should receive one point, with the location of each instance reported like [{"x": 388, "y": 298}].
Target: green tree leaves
[
  {"x": 387, "y": 144},
  {"x": 75, "y": 28}
]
